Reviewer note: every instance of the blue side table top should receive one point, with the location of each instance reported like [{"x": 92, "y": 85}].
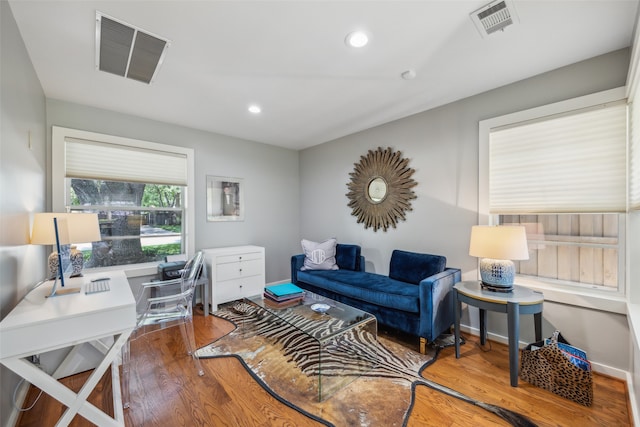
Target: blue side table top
[{"x": 519, "y": 294}]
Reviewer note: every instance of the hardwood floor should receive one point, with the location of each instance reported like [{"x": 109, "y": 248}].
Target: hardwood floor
[{"x": 168, "y": 391}]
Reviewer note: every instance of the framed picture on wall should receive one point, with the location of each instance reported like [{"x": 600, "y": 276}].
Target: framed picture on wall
[{"x": 225, "y": 198}]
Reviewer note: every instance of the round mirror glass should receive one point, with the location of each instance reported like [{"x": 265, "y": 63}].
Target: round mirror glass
[{"x": 377, "y": 190}]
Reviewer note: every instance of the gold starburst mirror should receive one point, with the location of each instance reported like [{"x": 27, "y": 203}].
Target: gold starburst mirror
[{"x": 380, "y": 190}]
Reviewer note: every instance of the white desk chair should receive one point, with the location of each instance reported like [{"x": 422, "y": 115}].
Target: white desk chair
[
  {"x": 203, "y": 281},
  {"x": 166, "y": 310}
]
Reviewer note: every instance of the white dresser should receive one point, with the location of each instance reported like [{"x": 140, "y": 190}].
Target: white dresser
[{"x": 234, "y": 273}]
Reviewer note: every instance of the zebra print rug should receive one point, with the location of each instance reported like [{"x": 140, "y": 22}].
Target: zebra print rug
[{"x": 286, "y": 364}]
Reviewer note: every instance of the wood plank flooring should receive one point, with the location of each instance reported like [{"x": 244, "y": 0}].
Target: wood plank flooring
[{"x": 172, "y": 394}]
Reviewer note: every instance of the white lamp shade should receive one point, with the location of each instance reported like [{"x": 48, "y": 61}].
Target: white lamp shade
[
  {"x": 72, "y": 228},
  {"x": 43, "y": 231},
  {"x": 499, "y": 242},
  {"x": 83, "y": 227}
]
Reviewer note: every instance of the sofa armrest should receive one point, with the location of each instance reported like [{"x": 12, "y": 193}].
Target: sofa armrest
[
  {"x": 297, "y": 261},
  {"x": 436, "y": 303}
]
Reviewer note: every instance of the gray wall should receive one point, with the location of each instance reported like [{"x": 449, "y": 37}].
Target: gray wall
[
  {"x": 443, "y": 147},
  {"x": 270, "y": 175},
  {"x": 22, "y": 178},
  {"x": 291, "y": 195},
  {"x": 270, "y": 179}
]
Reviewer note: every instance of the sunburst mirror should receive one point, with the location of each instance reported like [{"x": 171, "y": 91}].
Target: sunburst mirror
[{"x": 380, "y": 190}]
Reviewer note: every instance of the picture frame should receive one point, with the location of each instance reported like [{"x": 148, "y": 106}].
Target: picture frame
[{"x": 225, "y": 198}]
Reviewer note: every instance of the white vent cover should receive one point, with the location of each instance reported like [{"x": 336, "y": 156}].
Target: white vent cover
[
  {"x": 127, "y": 51},
  {"x": 494, "y": 16}
]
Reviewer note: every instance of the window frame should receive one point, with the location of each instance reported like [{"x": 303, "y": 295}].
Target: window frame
[
  {"x": 603, "y": 299},
  {"x": 59, "y": 188}
]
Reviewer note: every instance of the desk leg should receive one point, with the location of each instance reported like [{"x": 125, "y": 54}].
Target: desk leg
[
  {"x": 456, "y": 325},
  {"x": 118, "y": 409},
  {"x": 79, "y": 405},
  {"x": 483, "y": 326},
  {"x": 513, "y": 319},
  {"x": 205, "y": 303},
  {"x": 537, "y": 320},
  {"x": 75, "y": 403}
]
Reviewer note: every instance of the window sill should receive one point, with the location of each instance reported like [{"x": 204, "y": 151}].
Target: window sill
[
  {"x": 596, "y": 300},
  {"x": 131, "y": 270}
]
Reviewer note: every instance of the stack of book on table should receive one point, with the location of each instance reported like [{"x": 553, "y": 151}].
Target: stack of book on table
[{"x": 283, "y": 295}]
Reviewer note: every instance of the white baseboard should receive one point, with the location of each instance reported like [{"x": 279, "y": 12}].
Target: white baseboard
[
  {"x": 596, "y": 367},
  {"x": 633, "y": 402}
]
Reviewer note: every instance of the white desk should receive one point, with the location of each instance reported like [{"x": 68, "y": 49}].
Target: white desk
[{"x": 38, "y": 324}]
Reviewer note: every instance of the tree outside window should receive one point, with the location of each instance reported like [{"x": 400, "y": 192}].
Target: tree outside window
[{"x": 138, "y": 222}]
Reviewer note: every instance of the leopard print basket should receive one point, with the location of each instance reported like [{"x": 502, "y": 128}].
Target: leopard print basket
[{"x": 547, "y": 368}]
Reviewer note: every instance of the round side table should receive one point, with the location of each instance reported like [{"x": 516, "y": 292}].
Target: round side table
[{"x": 519, "y": 301}]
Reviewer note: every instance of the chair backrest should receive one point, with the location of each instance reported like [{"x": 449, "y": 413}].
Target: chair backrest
[{"x": 191, "y": 271}]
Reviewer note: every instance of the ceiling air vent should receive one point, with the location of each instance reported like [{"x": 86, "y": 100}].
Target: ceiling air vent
[
  {"x": 127, "y": 51},
  {"x": 494, "y": 16}
]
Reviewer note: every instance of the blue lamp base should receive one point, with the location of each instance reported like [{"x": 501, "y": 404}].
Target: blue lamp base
[{"x": 497, "y": 274}]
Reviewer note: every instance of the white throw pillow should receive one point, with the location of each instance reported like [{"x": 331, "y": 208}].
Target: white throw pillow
[{"x": 319, "y": 256}]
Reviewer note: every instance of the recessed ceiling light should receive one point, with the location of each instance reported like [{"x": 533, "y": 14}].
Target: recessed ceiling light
[
  {"x": 357, "y": 39},
  {"x": 255, "y": 109}
]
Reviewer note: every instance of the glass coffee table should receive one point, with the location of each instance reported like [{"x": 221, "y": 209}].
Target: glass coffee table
[{"x": 339, "y": 343}]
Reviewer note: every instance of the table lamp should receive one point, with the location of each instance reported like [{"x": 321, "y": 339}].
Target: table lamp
[
  {"x": 74, "y": 227},
  {"x": 497, "y": 246},
  {"x": 44, "y": 233},
  {"x": 83, "y": 228}
]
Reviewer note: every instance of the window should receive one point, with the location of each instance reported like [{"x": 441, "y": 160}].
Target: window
[
  {"x": 574, "y": 249},
  {"x": 140, "y": 191},
  {"x": 138, "y": 222},
  {"x": 634, "y": 156},
  {"x": 561, "y": 171}
]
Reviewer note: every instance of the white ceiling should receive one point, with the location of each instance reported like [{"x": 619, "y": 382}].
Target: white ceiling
[{"x": 290, "y": 57}]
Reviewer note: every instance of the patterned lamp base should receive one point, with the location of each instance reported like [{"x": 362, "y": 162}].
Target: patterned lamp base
[
  {"x": 497, "y": 274},
  {"x": 53, "y": 264},
  {"x": 77, "y": 262}
]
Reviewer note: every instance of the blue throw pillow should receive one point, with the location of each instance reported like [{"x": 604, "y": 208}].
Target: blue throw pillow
[
  {"x": 412, "y": 267},
  {"x": 348, "y": 256}
]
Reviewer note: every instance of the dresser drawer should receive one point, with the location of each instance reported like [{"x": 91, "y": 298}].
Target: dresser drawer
[
  {"x": 247, "y": 256},
  {"x": 236, "y": 270},
  {"x": 239, "y": 288}
]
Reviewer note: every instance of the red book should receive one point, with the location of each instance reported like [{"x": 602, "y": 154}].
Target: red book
[{"x": 281, "y": 304}]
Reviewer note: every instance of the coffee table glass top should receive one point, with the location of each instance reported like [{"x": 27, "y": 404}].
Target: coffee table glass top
[
  {"x": 339, "y": 339},
  {"x": 312, "y": 322}
]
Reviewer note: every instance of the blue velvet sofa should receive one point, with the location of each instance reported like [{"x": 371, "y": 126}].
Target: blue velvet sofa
[{"x": 416, "y": 297}]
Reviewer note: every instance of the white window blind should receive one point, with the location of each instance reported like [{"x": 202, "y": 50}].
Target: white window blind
[
  {"x": 634, "y": 155},
  {"x": 113, "y": 162},
  {"x": 567, "y": 163}
]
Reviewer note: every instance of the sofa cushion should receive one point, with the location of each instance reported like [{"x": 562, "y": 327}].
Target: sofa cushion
[
  {"x": 348, "y": 256},
  {"x": 319, "y": 256},
  {"x": 412, "y": 267},
  {"x": 369, "y": 287}
]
